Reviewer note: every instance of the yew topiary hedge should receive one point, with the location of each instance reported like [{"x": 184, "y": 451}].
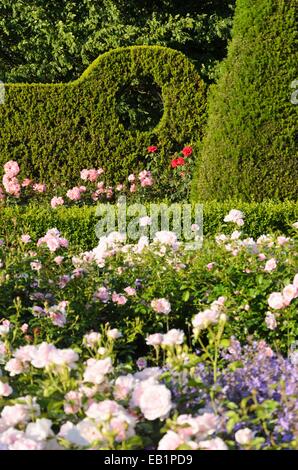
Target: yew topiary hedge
[
  {"x": 55, "y": 130},
  {"x": 250, "y": 147}
]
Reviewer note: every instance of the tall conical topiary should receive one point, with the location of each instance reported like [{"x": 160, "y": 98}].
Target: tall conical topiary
[{"x": 250, "y": 146}]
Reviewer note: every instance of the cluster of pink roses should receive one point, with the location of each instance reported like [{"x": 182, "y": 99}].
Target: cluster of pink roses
[
  {"x": 144, "y": 177},
  {"x": 280, "y": 300},
  {"x": 53, "y": 240},
  {"x": 12, "y": 184}
]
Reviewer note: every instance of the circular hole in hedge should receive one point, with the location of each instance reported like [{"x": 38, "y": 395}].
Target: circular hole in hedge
[{"x": 140, "y": 105}]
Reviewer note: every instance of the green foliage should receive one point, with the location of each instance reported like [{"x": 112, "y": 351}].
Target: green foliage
[
  {"x": 54, "y": 131},
  {"x": 55, "y": 41},
  {"x": 250, "y": 148},
  {"x": 78, "y": 224}
]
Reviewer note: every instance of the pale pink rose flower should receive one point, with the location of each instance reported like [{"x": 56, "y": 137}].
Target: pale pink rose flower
[
  {"x": 161, "y": 306},
  {"x": 235, "y": 216},
  {"x": 170, "y": 441},
  {"x": 11, "y": 186},
  {"x": 213, "y": 444},
  {"x": 173, "y": 337},
  {"x": 155, "y": 402},
  {"x": 72, "y": 434},
  {"x": 119, "y": 299},
  {"x": 93, "y": 175},
  {"x": 24, "y": 327},
  {"x": 84, "y": 175},
  {"x": 282, "y": 240},
  {"x": 276, "y": 301},
  {"x": 123, "y": 386},
  {"x": 145, "y": 182},
  {"x": 270, "y": 265},
  {"x": 40, "y": 430},
  {"x": 114, "y": 333},
  {"x": 166, "y": 238},
  {"x": 39, "y": 187},
  {"x": 119, "y": 187},
  {"x": 73, "y": 402},
  {"x": 289, "y": 293},
  {"x": 244, "y": 436},
  {"x": 5, "y": 389},
  {"x": 270, "y": 321},
  {"x": 262, "y": 256},
  {"x": 14, "y": 367},
  {"x": 97, "y": 369},
  {"x": 27, "y": 182},
  {"x": 154, "y": 339},
  {"x": 210, "y": 266},
  {"x": 11, "y": 168},
  {"x": 24, "y": 443},
  {"x": 132, "y": 178},
  {"x": 74, "y": 194},
  {"x": 57, "y": 201},
  {"x": 92, "y": 339},
  {"x": 103, "y": 410},
  {"x": 133, "y": 188},
  {"x": 130, "y": 291},
  {"x": 15, "y": 414},
  {"x": 35, "y": 265},
  {"x": 101, "y": 294},
  {"x": 295, "y": 225},
  {"x": 25, "y": 238},
  {"x": 58, "y": 260}
]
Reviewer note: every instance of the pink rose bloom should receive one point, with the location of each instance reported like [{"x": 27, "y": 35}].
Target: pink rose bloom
[
  {"x": 145, "y": 182},
  {"x": 119, "y": 299},
  {"x": 11, "y": 186},
  {"x": 155, "y": 402},
  {"x": 154, "y": 339},
  {"x": 276, "y": 301},
  {"x": 244, "y": 436},
  {"x": 39, "y": 188},
  {"x": 213, "y": 444},
  {"x": 57, "y": 201},
  {"x": 131, "y": 178},
  {"x": 235, "y": 216},
  {"x": 109, "y": 193},
  {"x": 170, "y": 441},
  {"x": 14, "y": 367},
  {"x": 295, "y": 225},
  {"x": 130, "y": 291},
  {"x": 11, "y": 168},
  {"x": 270, "y": 265},
  {"x": 262, "y": 257},
  {"x": 58, "y": 260},
  {"x": 97, "y": 369},
  {"x": 26, "y": 182},
  {"x": 74, "y": 194},
  {"x": 114, "y": 333},
  {"x": 92, "y": 339},
  {"x": 102, "y": 294},
  {"x": 84, "y": 175},
  {"x": 270, "y": 321},
  {"x": 26, "y": 238},
  {"x": 5, "y": 389},
  {"x": 123, "y": 386},
  {"x": 15, "y": 414},
  {"x": 119, "y": 187},
  {"x": 36, "y": 265},
  {"x": 210, "y": 266},
  {"x": 282, "y": 240},
  {"x": 173, "y": 337},
  {"x": 289, "y": 293},
  {"x": 133, "y": 188},
  {"x": 161, "y": 306},
  {"x": 93, "y": 175}
]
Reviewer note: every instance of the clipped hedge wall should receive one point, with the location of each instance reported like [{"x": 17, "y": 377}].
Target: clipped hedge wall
[
  {"x": 78, "y": 224},
  {"x": 56, "y": 130},
  {"x": 250, "y": 147}
]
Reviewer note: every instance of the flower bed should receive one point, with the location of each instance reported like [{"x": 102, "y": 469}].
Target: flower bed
[{"x": 88, "y": 340}]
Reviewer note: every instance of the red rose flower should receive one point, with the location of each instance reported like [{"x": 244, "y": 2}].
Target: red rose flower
[
  {"x": 174, "y": 163},
  {"x": 187, "y": 151},
  {"x": 180, "y": 161},
  {"x": 152, "y": 149}
]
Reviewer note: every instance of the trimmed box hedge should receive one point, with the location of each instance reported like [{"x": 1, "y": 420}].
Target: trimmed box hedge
[
  {"x": 78, "y": 224},
  {"x": 55, "y": 130}
]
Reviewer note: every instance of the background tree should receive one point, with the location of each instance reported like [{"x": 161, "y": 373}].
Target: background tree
[{"x": 55, "y": 40}]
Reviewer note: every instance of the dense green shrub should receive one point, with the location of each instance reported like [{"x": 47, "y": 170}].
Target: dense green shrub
[
  {"x": 250, "y": 148},
  {"x": 78, "y": 224},
  {"x": 54, "y": 131}
]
